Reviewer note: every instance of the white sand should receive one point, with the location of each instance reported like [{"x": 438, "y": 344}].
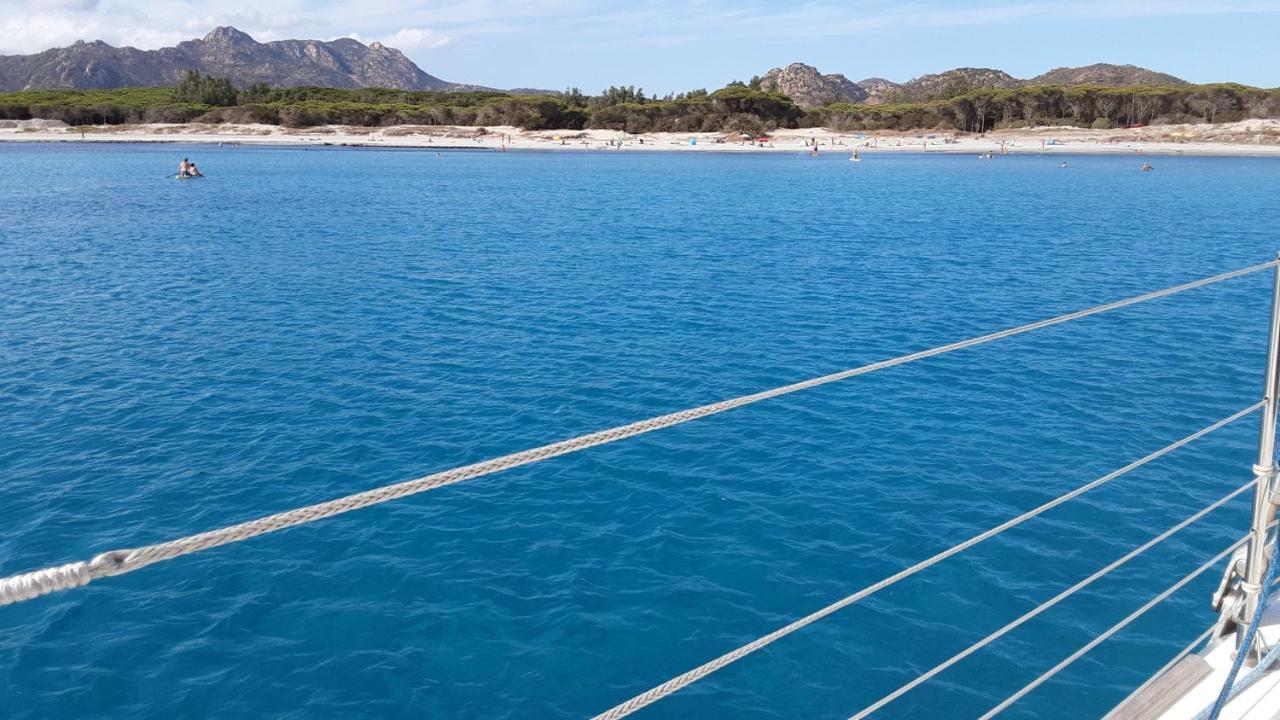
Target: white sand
[{"x": 1249, "y": 137}]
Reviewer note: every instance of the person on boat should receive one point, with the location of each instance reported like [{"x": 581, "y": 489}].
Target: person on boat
[
  {"x": 1146, "y": 167},
  {"x": 184, "y": 167},
  {"x": 193, "y": 171}
]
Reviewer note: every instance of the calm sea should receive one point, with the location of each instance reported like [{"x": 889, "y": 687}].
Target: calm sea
[{"x": 301, "y": 324}]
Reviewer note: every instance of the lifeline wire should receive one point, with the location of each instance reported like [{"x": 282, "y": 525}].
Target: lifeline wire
[
  {"x": 1112, "y": 630},
  {"x": 1042, "y": 607},
  {"x": 688, "y": 678},
  {"x": 26, "y": 586}
]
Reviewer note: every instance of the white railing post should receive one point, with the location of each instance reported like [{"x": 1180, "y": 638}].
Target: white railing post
[{"x": 1264, "y": 471}]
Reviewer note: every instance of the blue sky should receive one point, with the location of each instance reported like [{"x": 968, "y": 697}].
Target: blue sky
[{"x": 671, "y": 46}]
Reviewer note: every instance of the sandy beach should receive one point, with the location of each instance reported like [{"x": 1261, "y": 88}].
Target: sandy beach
[{"x": 1245, "y": 138}]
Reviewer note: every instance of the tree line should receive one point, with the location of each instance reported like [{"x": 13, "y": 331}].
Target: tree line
[
  {"x": 1099, "y": 107},
  {"x": 738, "y": 107}
]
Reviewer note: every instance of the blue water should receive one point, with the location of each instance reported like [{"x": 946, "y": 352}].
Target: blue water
[{"x": 301, "y": 324}]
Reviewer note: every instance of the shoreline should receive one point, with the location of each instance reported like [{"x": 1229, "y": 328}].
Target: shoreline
[{"x": 1249, "y": 138}]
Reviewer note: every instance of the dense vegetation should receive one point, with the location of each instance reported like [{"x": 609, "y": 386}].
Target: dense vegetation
[
  {"x": 1082, "y": 106},
  {"x": 736, "y": 108}
]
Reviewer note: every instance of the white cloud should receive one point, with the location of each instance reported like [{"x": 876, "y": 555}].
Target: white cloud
[
  {"x": 262, "y": 26},
  {"x": 33, "y": 33},
  {"x": 146, "y": 38},
  {"x": 74, "y": 5},
  {"x": 470, "y": 12},
  {"x": 416, "y": 39},
  {"x": 29, "y": 26}
]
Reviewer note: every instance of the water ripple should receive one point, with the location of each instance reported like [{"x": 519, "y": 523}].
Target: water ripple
[{"x": 304, "y": 324}]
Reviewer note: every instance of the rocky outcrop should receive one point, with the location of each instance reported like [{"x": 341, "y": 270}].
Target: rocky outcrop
[
  {"x": 881, "y": 91},
  {"x": 810, "y": 88}
]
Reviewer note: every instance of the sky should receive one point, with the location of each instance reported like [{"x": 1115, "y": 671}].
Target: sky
[{"x": 664, "y": 46}]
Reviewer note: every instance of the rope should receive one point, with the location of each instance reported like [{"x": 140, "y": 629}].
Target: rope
[
  {"x": 43, "y": 582},
  {"x": 17, "y": 588},
  {"x": 1228, "y": 686},
  {"x": 675, "y": 684},
  {"x": 1263, "y": 665},
  {"x": 1112, "y": 630},
  {"x": 925, "y": 677},
  {"x": 1163, "y": 669}
]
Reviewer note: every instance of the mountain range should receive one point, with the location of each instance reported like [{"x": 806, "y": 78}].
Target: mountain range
[
  {"x": 810, "y": 88},
  {"x": 349, "y": 63},
  {"x": 225, "y": 52}
]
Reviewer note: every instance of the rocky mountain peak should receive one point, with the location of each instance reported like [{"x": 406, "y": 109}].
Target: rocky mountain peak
[
  {"x": 810, "y": 88},
  {"x": 227, "y": 35}
]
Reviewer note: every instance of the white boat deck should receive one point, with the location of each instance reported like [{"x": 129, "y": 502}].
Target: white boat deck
[{"x": 1197, "y": 679}]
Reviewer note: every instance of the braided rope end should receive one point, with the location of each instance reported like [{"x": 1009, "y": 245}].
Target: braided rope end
[{"x": 43, "y": 582}]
